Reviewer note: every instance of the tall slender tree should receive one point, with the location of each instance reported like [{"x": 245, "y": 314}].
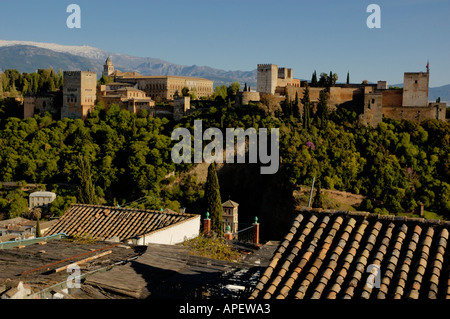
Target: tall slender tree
[
  {"x": 38, "y": 229},
  {"x": 348, "y": 78},
  {"x": 314, "y": 82},
  {"x": 306, "y": 109},
  {"x": 318, "y": 202},
  {"x": 86, "y": 187},
  {"x": 296, "y": 107},
  {"x": 322, "y": 109},
  {"x": 213, "y": 201}
]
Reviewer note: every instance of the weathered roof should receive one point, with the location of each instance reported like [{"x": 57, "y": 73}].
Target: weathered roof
[
  {"x": 230, "y": 203},
  {"x": 35, "y": 264},
  {"x": 171, "y": 271},
  {"x": 103, "y": 222},
  {"x": 118, "y": 84},
  {"x": 129, "y": 88},
  {"x": 331, "y": 255},
  {"x": 42, "y": 194},
  {"x": 13, "y": 221}
]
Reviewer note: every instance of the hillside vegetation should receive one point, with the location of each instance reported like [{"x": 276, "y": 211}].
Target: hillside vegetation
[{"x": 115, "y": 157}]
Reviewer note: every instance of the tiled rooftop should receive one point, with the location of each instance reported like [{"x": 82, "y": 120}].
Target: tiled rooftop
[
  {"x": 104, "y": 223},
  {"x": 345, "y": 255}
]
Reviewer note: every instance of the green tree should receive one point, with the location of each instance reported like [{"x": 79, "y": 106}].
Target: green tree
[
  {"x": 318, "y": 202},
  {"x": 61, "y": 204},
  {"x": 314, "y": 82},
  {"x": 296, "y": 107},
  {"x": 334, "y": 79},
  {"x": 220, "y": 92},
  {"x": 86, "y": 187},
  {"x": 233, "y": 88},
  {"x": 348, "y": 78},
  {"x": 17, "y": 204},
  {"x": 322, "y": 109},
  {"x": 185, "y": 91},
  {"x": 323, "y": 80},
  {"x": 213, "y": 201},
  {"x": 287, "y": 106},
  {"x": 38, "y": 229},
  {"x": 306, "y": 109}
]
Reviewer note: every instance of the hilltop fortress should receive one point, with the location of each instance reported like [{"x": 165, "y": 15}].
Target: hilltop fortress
[{"x": 375, "y": 101}]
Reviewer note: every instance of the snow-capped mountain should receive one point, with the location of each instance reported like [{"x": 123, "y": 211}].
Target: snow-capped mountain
[
  {"x": 84, "y": 50},
  {"x": 28, "y": 56}
]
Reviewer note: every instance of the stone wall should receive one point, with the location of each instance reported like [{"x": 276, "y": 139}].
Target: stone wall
[
  {"x": 29, "y": 103},
  {"x": 417, "y": 114},
  {"x": 181, "y": 106},
  {"x": 392, "y": 98},
  {"x": 373, "y": 106},
  {"x": 244, "y": 98}
]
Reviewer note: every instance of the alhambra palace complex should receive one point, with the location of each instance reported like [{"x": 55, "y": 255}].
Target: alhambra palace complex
[
  {"x": 134, "y": 92},
  {"x": 376, "y": 100}
]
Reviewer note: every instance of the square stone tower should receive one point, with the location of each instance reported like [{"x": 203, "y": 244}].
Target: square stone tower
[
  {"x": 108, "y": 67},
  {"x": 79, "y": 94},
  {"x": 415, "y": 89},
  {"x": 230, "y": 215},
  {"x": 373, "y": 103},
  {"x": 267, "y": 78}
]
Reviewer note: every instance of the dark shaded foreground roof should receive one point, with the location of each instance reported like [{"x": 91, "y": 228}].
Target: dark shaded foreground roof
[
  {"x": 170, "y": 271},
  {"x": 331, "y": 254}
]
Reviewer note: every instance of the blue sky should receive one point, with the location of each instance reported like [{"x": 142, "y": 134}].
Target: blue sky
[{"x": 322, "y": 35}]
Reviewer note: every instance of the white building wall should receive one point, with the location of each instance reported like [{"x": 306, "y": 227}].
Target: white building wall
[{"x": 175, "y": 234}]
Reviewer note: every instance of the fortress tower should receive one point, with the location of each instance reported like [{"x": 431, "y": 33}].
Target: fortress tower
[
  {"x": 79, "y": 94},
  {"x": 415, "y": 89},
  {"x": 267, "y": 78},
  {"x": 108, "y": 68}
]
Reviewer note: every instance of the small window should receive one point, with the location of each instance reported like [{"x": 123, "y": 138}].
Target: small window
[
  {"x": 373, "y": 101},
  {"x": 416, "y": 81}
]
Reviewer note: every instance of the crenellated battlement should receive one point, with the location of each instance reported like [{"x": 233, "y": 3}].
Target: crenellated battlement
[{"x": 266, "y": 65}]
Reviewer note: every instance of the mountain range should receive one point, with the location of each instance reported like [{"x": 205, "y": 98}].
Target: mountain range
[{"x": 28, "y": 56}]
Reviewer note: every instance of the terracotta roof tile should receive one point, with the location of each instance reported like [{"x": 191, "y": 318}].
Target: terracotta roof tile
[
  {"x": 103, "y": 223},
  {"x": 335, "y": 254}
]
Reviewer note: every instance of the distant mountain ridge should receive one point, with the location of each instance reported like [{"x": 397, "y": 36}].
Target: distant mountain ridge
[{"x": 27, "y": 56}]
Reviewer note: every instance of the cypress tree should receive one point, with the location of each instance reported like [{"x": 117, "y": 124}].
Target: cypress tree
[
  {"x": 314, "y": 79},
  {"x": 318, "y": 202},
  {"x": 296, "y": 111},
  {"x": 38, "y": 229},
  {"x": 86, "y": 187},
  {"x": 306, "y": 109},
  {"x": 322, "y": 108},
  {"x": 287, "y": 107},
  {"x": 213, "y": 201},
  {"x": 348, "y": 78}
]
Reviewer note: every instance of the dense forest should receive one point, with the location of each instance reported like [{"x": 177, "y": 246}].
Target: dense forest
[{"x": 115, "y": 157}]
